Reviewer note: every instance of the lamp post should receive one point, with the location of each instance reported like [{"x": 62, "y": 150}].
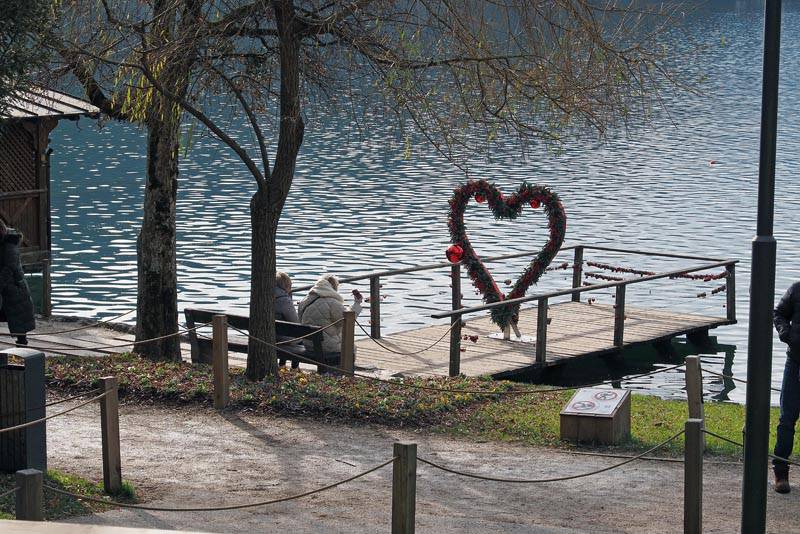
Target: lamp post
[{"x": 762, "y": 292}]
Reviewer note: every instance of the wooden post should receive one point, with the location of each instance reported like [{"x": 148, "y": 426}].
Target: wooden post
[
  {"x": 219, "y": 361},
  {"x": 455, "y": 345},
  {"x": 47, "y": 303},
  {"x": 375, "y": 306},
  {"x": 455, "y": 286},
  {"x": 404, "y": 488},
  {"x": 455, "y": 321},
  {"x": 577, "y": 272},
  {"x": 29, "y": 501},
  {"x": 541, "y": 332},
  {"x": 730, "y": 291},
  {"x": 619, "y": 317},
  {"x": 693, "y": 477},
  {"x": 694, "y": 390},
  {"x": 109, "y": 427},
  {"x": 348, "y": 361}
]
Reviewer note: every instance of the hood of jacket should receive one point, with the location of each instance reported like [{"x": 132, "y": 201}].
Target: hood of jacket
[{"x": 324, "y": 289}]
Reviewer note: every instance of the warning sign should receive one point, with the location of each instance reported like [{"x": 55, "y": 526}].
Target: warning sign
[{"x": 599, "y": 402}]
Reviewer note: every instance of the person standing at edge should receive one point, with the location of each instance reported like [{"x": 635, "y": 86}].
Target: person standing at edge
[
  {"x": 787, "y": 323},
  {"x": 15, "y": 297}
]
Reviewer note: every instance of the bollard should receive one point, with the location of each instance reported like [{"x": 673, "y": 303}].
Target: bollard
[
  {"x": 29, "y": 499},
  {"x": 348, "y": 360},
  {"x": 109, "y": 428},
  {"x": 693, "y": 477},
  {"x": 404, "y": 488},
  {"x": 694, "y": 390},
  {"x": 219, "y": 361}
]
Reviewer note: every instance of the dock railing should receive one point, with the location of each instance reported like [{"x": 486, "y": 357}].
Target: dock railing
[{"x": 456, "y": 312}]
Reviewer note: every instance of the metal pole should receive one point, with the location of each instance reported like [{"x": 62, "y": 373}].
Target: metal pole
[{"x": 762, "y": 292}]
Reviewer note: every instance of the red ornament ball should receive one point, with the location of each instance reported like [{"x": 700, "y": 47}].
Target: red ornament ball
[
  {"x": 535, "y": 203},
  {"x": 454, "y": 253},
  {"x": 480, "y": 198}
]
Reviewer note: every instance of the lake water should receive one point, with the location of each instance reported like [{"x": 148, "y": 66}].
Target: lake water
[{"x": 359, "y": 204}]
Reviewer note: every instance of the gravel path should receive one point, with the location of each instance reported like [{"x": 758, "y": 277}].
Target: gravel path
[{"x": 196, "y": 457}]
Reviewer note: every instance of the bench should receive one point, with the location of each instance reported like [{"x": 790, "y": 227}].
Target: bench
[{"x": 201, "y": 347}]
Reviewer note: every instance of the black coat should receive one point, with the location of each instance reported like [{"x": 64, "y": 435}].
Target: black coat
[
  {"x": 15, "y": 297},
  {"x": 787, "y": 320}
]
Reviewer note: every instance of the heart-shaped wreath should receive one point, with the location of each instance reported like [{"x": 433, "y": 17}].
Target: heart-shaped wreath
[{"x": 504, "y": 208}]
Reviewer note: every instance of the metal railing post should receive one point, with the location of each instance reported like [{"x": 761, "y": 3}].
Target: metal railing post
[
  {"x": 109, "y": 429},
  {"x": 375, "y": 306},
  {"x": 404, "y": 488},
  {"x": 694, "y": 390},
  {"x": 348, "y": 358},
  {"x": 577, "y": 272},
  {"x": 29, "y": 498},
  {"x": 219, "y": 361},
  {"x": 730, "y": 291},
  {"x": 541, "y": 332},
  {"x": 693, "y": 477},
  {"x": 619, "y": 317}
]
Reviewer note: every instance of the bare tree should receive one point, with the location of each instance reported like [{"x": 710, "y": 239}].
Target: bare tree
[{"x": 464, "y": 73}]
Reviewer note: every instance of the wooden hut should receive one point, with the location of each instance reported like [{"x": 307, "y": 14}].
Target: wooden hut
[{"x": 25, "y": 124}]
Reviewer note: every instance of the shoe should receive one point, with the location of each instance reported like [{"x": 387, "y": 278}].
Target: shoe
[
  {"x": 782, "y": 478},
  {"x": 22, "y": 340}
]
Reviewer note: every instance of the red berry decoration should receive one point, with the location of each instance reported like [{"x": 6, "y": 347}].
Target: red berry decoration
[
  {"x": 480, "y": 198},
  {"x": 535, "y": 203},
  {"x": 454, "y": 253}
]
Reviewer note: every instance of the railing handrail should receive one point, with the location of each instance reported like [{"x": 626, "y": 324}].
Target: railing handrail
[
  {"x": 593, "y": 287},
  {"x": 426, "y": 267}
]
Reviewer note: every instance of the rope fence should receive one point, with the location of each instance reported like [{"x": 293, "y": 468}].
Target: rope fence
[
  {"x": 76, "y": 329},
  {"x": 737, "y": 444},
  {"x": 554, "y": 479},
  {"x": 43, "y": 419},
  {"x": 219, "y": 508},
  {"x": 731, "y": 377},
  {"x": 402, "y": 353}
]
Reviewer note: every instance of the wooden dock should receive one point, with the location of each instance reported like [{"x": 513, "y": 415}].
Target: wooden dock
[{"x": 576, "y": 330}]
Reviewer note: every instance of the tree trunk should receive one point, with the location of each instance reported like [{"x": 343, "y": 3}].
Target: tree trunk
[
  {"x": 267, "y": 204},
  {"x": 261, "y": 357},
  {"x": 157, "y": 296}
]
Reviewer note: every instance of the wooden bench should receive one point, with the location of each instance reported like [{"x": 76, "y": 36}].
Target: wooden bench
[{"x": 201, "y": 347}]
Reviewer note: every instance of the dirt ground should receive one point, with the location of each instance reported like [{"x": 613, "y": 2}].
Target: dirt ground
[{"x": 196, "y": 457}]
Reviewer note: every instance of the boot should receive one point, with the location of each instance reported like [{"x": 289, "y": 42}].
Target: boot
[
  {"x": 22, "y": 340},
  {"x": 781, "y": 478}
]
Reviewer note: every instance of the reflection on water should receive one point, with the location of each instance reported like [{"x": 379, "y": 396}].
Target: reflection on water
[{"x": 357, "y": 205}]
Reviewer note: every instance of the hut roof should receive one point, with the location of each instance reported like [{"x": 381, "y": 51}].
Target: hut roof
[{"x": 38, "y": 102}]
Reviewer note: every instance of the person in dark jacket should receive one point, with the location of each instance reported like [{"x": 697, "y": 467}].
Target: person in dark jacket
[
  {"x": 285, "y": 311},
  {"x": 787, "y": 323},
  {"x": 16, "y": 304}
]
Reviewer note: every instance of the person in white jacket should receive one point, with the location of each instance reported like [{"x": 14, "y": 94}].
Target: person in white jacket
[{"x": 324, "y": 306}]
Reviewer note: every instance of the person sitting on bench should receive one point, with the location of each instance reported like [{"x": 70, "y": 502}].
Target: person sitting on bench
[
  {"x": 324, "y": 306},
  {"x": 284, "y": 311}
]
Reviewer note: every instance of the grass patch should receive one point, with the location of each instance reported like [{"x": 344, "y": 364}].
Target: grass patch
[
  {"x": 530, "y": 419},
  {"x": 57, "y": 506},
  {"x": 535, "y": 421}
]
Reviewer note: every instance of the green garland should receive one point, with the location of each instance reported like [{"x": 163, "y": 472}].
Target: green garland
[{"x": 506, "y": 208}]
